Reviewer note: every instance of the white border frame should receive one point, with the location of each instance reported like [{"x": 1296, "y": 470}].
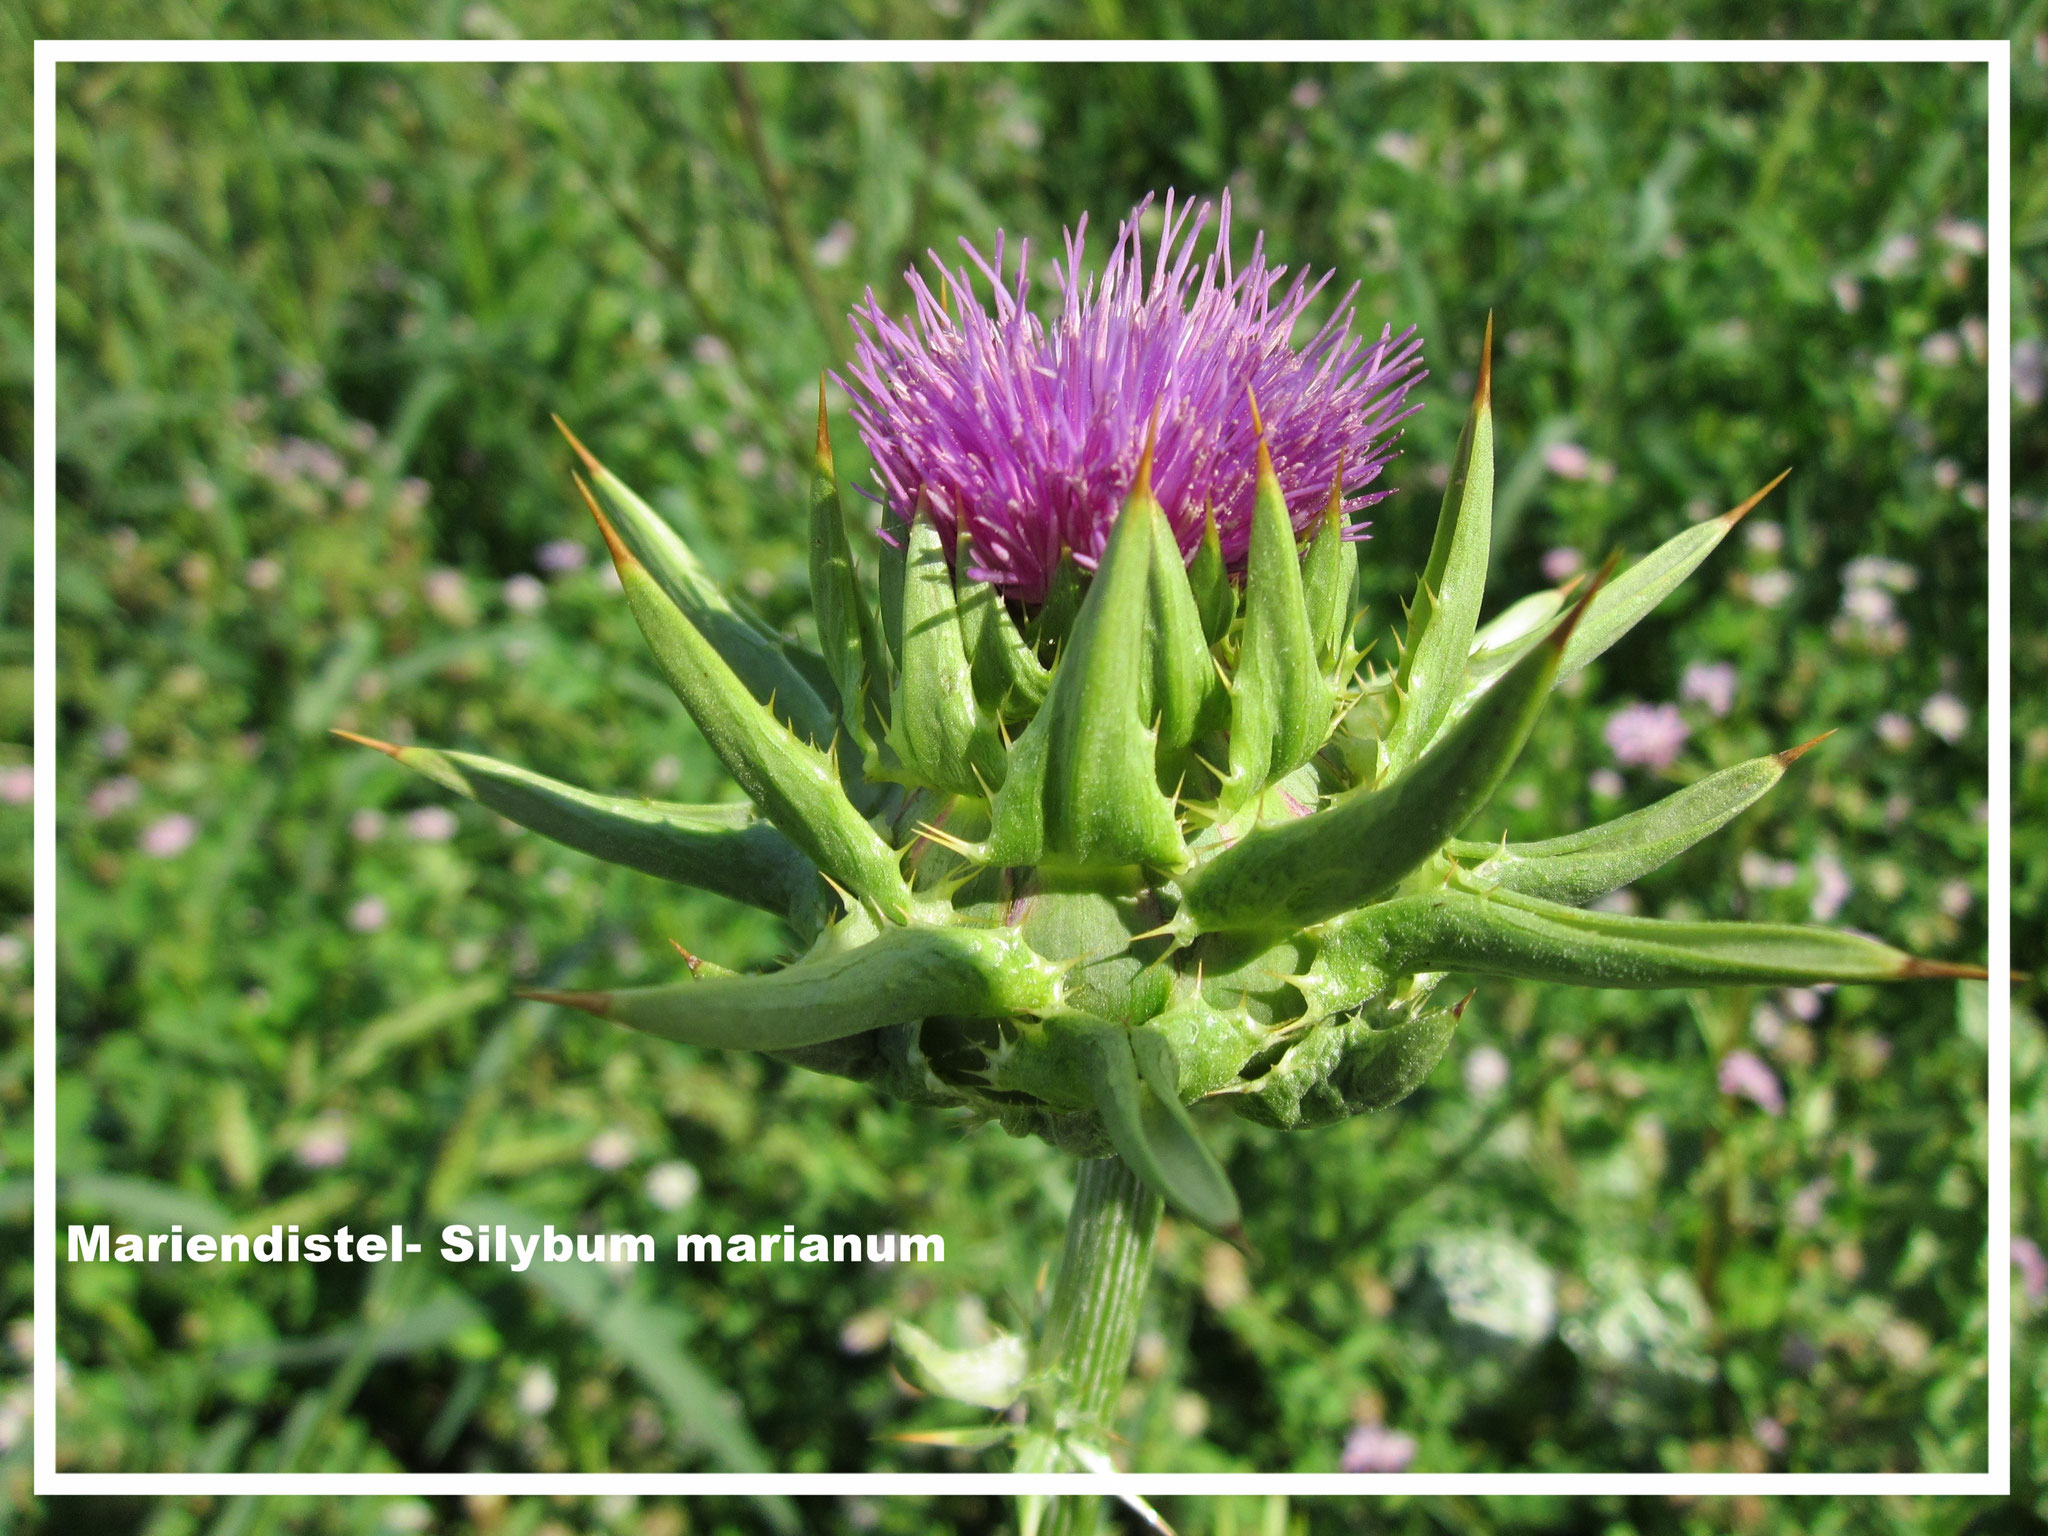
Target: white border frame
[{"x": 1994, "y": 56}]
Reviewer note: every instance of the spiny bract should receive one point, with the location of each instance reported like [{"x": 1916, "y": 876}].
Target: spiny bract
[{"x": 1156, "y": 839}]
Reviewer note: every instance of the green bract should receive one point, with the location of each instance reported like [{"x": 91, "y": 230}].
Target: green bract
[{"x": 1157, "y": 841}]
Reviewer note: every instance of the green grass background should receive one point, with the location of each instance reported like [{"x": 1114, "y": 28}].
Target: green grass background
[{"x": 383, "y": 279}]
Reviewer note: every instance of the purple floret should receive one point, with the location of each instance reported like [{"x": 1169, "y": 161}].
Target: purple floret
[{"x": 1029, "y": 433}]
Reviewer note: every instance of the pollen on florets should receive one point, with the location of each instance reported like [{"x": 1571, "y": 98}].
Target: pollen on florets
[{"x": 1025, "y": 433}]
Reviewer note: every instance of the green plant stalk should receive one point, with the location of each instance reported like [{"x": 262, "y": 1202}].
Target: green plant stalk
[{"x": 1084, "y": 1351}]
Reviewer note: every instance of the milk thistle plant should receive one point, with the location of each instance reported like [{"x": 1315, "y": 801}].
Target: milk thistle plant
[{"x": 1090, "y": 809}]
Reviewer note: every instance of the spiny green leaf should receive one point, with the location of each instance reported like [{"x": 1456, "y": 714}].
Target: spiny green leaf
[
  {"x": 1184, "y": 692},
  {"x": 1348, "y": 1067},
  {"x": 1508, "y": 934},
  {"x": 896, "y": 978},
  {"x": 722, "y": 848},
  {"x": 851, "y": 641},
  {"x": 1007, "y": 676},
  {"x": 1082, "y": 789},
  {"x": 989, "y": 1375},
  {"x": 1445, "y": 612},
  {"x": 793, "y": 784},
  {"x": 1062, "y": 605},
  {"x": 1280, "y": 702},
  {"x": 1137, "y": 1093},
  {"x": 1329, "y": 578},
  {"x": 754, "y": 656},
  {"x": 936, "y": 726},
  {"x": 1581, "y": 866},
  {"x": 1294, "y": 873},
  {"x": 1634, "y": 592},
  {"x": 1210, "y": 579}
]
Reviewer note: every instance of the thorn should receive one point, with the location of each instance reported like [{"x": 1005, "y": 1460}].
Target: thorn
[
  {"x": 1792, "y": 755},
  {"x": 387, "y": 748},
  {"x": 693, "y": 962},
  {"x": 1735, "y": 515},
  {"x": 1334, "y": 512},
  {"x": 1458, "y": 1008},
  {"x": 1571, "y": 585},
  {"x": 598, "y": 1003},
  {"x": 1143, "y": 485},
  {"x": 589, "y": 459},
  {"x": 1482, "y": 397},
  {"x": 1259, "y": 427},
  {"x": 824, "y": 433},
  {"x": 1171, "y": 925},
  {"x": 622, "y": 557},
  {"x": 1916, "y": 969},
  {"x": 944, "y": 839},
  {"x": 845, "y": 895}
]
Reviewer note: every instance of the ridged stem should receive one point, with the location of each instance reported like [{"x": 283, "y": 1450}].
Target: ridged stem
[{"x": 1092, "y": 1324}]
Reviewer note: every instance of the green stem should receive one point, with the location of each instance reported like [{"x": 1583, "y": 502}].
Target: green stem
[{"x": 1090, "y": 1329}]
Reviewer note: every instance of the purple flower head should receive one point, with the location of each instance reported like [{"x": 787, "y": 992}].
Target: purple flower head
[{"x": 1026, "y": 433}]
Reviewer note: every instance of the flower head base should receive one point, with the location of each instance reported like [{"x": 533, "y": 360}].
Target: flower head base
[{"x": 1026, "y": 435}]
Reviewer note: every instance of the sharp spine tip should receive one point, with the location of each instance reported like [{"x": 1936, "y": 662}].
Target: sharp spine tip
[
  {"x": 389, "y": 749},
  {"x": 1792, "y": 755},
  {"x": 583, "y": 453},
  {"x": 621, "y": 556},
  {"x": 1736, "y": 514},
  {"x": 1482, "y": 397},
  {"x": 1561, "y": 636}
]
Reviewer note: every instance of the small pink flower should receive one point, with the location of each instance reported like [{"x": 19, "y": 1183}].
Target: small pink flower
[
  {"x": 111, "y": 797},
  {"x": 168, "y": 836},
  {"x": 431, "y": 824},
  {"x": 18, "y": 784},
  {"x": 1831, "y": 887},
  {"x": 369, "y": 914},
  {"x": 1744, "y": 1075},
  {"x": 1647, "y": 735},
  {"x": 1946, "y": 716},
  {"x": 558, "y": 556},
  {"x": 1486, "y": 1072},
  {"x": 525, "y": 594},
  {"x": 1375, "y": 1448},
  {"x": 2032, "y": 1265},
  {"x": 1711, "y": 683},
  {"x": 1562, "y": 563},
  {"x": 325, "y": 1144},
  {"x": 1568, "y": 461}
]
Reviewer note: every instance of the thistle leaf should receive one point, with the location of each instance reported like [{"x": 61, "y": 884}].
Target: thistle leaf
[
  {"x": 1582, "y": 866},
  {"x": 1136, "y": 1083},
  {"x": 1210, "y": 579},
  {"x": 1280, "y": 703},
  {"x": 851, "y": 641},
  {"x": 896, "y": 978},
  {"x": 1185, "y": 693},
  {"x": 1057, "y": 615},
  {"x": 723, "y": 848},
  {"x": 1329, "y": 578},
  {"x": 1508, "y": 934},
  {"x": 1347, "y": 1068},
  {"x": 1082, "y": 789},
  {"x": 1007, "y": 676},
  {"x": 754, "y": 656},
  {"x": 1294, "y": 873},
  {"x": 793, "y": 784},
  {"x": 1510, "y": 632},
  {"x": 936, "y": 726},
  {"x": 893, "y": 558},
  {"x": 990, "y": 1375},
  {"x": 1640, "y": 588},
  {"x": 1445, "y": 612}
]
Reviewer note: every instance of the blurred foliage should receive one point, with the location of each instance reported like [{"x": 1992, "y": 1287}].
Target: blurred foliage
[{"x": 312, "y": 324}]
